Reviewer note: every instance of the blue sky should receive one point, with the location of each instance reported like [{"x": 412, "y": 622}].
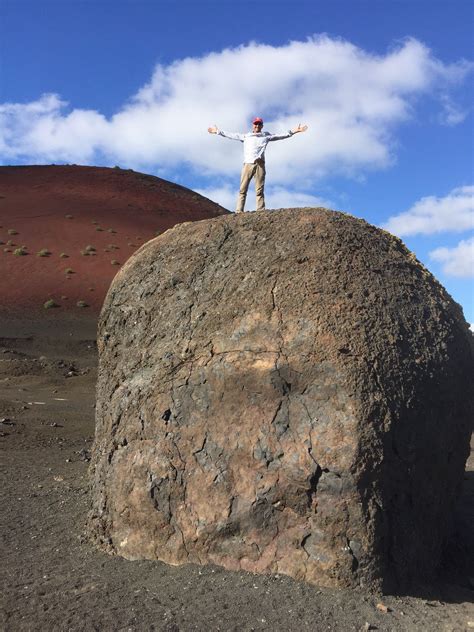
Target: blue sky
[{"x": 386, "y": 87}]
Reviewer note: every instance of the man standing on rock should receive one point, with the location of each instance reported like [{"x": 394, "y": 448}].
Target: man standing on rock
[{"x": 255, "y": 143}]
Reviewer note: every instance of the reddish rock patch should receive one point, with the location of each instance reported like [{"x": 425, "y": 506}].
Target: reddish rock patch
[{"x": 66, "y": 209}]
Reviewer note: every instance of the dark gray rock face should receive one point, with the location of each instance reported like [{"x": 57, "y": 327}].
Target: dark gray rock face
[{"x": 284, "y": 391}]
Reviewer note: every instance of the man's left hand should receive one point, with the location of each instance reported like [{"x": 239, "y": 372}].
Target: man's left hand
[{"x": 300, "y": 128}]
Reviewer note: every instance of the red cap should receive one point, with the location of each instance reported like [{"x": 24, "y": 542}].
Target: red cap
[{"x": 257, "y": 120}]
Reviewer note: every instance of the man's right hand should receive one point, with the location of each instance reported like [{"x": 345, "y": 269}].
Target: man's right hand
[{"x": 213, "y": 130}]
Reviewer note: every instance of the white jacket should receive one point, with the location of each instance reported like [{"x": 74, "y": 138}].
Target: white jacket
[{"x": 254, "y": 143}]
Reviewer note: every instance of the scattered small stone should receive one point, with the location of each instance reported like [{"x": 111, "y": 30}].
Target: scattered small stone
[
  {"x": 68, "y": 460},
  {"x": 6, "y": 421},
  {"x": 84, "y": 455},
  {"x": 72, "y": 371},
  {"x": 368, "y": 626},
  {"x": 383, "y": 608}
]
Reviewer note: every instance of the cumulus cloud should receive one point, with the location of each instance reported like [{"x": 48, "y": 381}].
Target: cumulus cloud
[
  {"x": 40, "y": 131},
  {"x": 431, "y": 214},
  {"x": 451, "y": 113},
  {"x": 457, "y": 261},
  {"x": 352, "y": 100}
]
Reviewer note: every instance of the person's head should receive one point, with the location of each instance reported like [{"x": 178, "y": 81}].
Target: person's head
[{"x": 257, "y": 124}]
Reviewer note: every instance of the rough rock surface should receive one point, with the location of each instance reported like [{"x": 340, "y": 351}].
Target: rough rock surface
[{"x": 284, "y": 391}]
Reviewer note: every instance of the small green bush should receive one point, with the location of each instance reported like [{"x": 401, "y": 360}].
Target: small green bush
[
  {"x": 50, "y": 303},
  {"x": 68, "y": 271},
  {"x": 99, "y": 229},
  {"x": 82, "y": 304},
  {"x": 10, "y": 243},
  {"x": 12, "y": 231},
  {"x": 20, "y": 252},
  {"x": 69, "y": 216},
  {"x": 111, "y": 230},
  {"x": 114, "y": 262},
  {"x": 63, "y": 255},
  {"x": 44, "y": 252}
]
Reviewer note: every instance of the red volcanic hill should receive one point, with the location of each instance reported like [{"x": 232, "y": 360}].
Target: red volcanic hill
[{"x": 66, "y": 230}]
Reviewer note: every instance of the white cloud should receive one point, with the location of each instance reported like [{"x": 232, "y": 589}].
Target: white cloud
[
  {"x": 278, "y": 197},
  {"x": 40, "y": 131},
  {"x": 452, "y": 213},
  {"x": 275, "y": 197},
  {"x": 451, "y": 114},
  {"x": 352, "y": 100},
  {"x": 457, "y": 261},
  {"x": 223, "y": 195}
]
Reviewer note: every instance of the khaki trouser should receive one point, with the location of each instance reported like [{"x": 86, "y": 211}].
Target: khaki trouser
[{"x": 256, "y": 169}]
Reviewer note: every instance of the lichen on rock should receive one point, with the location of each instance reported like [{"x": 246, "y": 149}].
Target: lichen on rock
[{"x": 283, "y": 391}]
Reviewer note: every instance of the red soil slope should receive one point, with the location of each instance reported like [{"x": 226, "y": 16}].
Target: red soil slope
[{"x": 65, "y": 209}]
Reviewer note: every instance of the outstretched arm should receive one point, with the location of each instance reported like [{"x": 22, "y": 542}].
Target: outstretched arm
[
  {"x": 231, "y": 135},
  {"x": 291, "y": 132}
]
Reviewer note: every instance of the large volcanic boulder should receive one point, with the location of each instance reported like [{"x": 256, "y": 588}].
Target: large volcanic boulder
[{"x": 283, "y": 391}]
